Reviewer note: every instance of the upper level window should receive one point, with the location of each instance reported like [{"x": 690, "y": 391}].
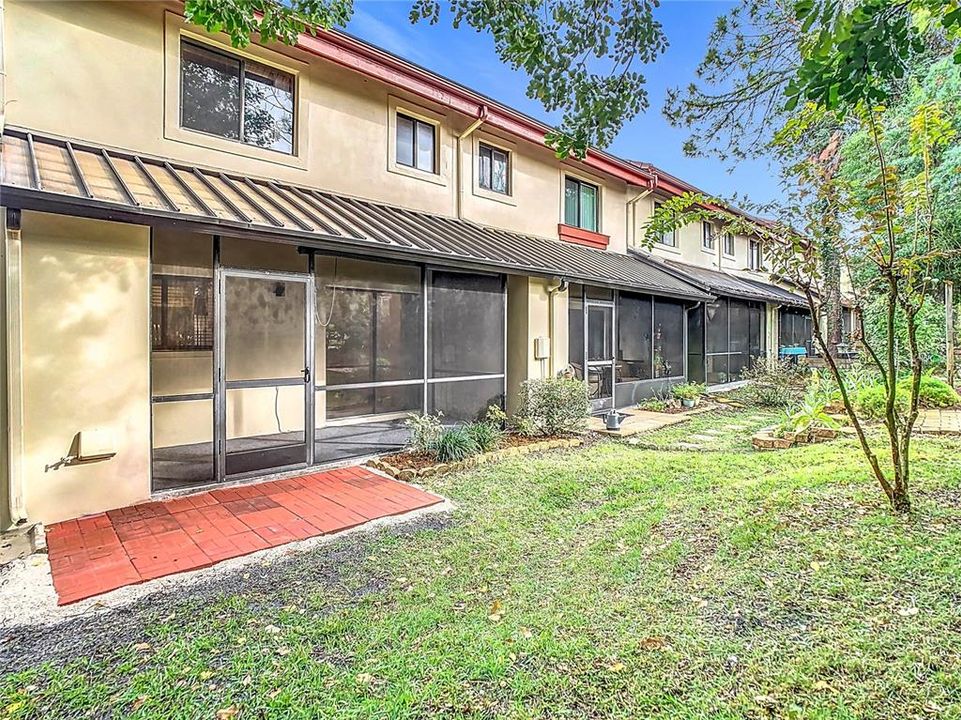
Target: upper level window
[
  {"x": 707, "y": 235},
  {"x": 755, "y": 259},
  {"x": 416, "y": 144},
  {"x": 669, "y": 237},
  {"x": 236, "y": 98},
  {"x": 729, "y": 244},
  {"x": 493, "y": 170},
  {"x": 580, "y": 204}
]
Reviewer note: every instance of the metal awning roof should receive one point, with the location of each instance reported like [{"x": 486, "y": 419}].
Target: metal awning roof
[
  {"x": 719, "y": 282},
  {"x": 46, "y": 173}
]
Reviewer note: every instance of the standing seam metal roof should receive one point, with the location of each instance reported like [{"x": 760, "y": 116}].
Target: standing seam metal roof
[{"x": 40, "y": 172}]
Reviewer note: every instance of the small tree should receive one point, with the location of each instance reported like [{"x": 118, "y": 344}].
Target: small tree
[{"x": 893, "y": 233}]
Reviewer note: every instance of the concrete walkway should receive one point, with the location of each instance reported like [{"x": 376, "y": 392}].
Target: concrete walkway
[
  {"x": 939, "y": 421},
  {"x": 640, "y": 421}
]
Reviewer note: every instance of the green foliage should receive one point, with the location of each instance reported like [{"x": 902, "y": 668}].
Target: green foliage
[
  {"x": 455, "y": 444},
  {"x": 283, "y": 21},
  {"x": 425, "y": 430},
  {"x": 496, "y": 417},
  {"x": 809, "y": 413},
  {"x": 579, "y": 57},
  {"x": 485, "y": 436},
  {"x": 932, "y": 392},
  {"x": 773, "y": 382},
  {"x": 688, "y": 391},
  {"x": 871, "y": 402},
  {"x": 553, "y": 406},
  {"x": 653, "y": 405}
]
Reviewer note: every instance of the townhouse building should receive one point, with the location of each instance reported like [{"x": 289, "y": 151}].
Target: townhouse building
[{"x": 221, "y": 264}]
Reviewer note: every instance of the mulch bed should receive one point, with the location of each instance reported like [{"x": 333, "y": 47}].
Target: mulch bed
[{"x": 410, "y": 460}]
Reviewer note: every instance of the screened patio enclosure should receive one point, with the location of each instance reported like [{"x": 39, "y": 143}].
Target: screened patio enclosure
[
  {"x": 724, "y": 337},
  {"x": 266, "y": 357},
  {"x": 626, "y": 345}
]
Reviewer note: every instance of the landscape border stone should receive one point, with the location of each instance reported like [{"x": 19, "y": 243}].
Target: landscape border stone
[{"x": 410, "y": 474}]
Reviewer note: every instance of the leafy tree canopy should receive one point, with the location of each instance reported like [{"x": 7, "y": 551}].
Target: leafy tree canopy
[{"x": 580, "y": 56}]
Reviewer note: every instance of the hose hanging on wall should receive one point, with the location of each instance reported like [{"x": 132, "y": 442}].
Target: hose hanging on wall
[{"x": 333, "y": 296}]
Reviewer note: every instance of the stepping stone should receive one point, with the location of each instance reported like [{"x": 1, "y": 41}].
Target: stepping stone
[
  {"x": 687, "y": 446},
  {"x": 735, "y": 427},
  {"x": 712, "y": 431},
  {"x": 703, "y": 438}
]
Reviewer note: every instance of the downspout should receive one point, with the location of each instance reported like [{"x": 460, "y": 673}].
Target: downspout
[
  {"x": 459, "y": 200},
  {"x": 631, "y": 210},
  {"x": 555, "y": 286}
]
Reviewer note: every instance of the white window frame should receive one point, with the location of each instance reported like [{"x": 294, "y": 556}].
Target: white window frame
[
  {"x": 660, "y": 238},
  {"x": 599, "y": 215}
]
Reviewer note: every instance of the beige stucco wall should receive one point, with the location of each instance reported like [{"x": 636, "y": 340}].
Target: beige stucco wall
[
  {"x": 107, "y": 72},
  {"x": 528, "y": 317},
  {"x": 5, "y": 519},
  {"x": 85, "y": 290}
]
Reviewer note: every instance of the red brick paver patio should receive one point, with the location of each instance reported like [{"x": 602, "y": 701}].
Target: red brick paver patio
[{"x": 94, "y": 554}]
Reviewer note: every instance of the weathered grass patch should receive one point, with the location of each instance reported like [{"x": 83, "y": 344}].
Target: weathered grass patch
[{"x": 612, "y": 581}]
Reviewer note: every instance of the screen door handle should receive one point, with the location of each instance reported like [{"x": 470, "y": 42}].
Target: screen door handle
[{"x": 306, "y": 372}]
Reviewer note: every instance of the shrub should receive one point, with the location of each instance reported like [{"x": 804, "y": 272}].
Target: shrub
[
  {"x": 688, "y": 391},
  {"x": 871, "y": 401},
  {"x": 454, "y": 444},
  {"x": 774, "y": 383},
  {"x": 654, "y": 405},
  {"x": 496, "y": 417},
  {"x": 553, "y": 406},
  {"x": 810, "y": 413},
  {"x": 932, "y": 392},
  {"x": 425, "y": 430},
  {"x": 485, "y": 435}
]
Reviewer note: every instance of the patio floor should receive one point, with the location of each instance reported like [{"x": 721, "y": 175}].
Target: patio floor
[{"x": 97, "y": 553}]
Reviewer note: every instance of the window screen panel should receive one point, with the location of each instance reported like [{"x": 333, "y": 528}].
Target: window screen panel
[
  {"x": 268, "y": 107},
  {"x": 405, "y": 141},
  {"x": 484, "y": 167},
  {"x": 571, "y": 201},
  {"x": 374, "y": 401},
  {"x": 209, "y": 91},
  {"x": 575, "y": 332},
  {"x": 499, "y": 171},
  {"x": 466, "y": 324},
  {"x": 368, "y": 321},
  {"x": 425, "y": 146},
  {"x": 668, "y": 339},
  {"x": 465, "y": 400},
  {"x": 717, "y": 316},
  {"x": 739, "y": 326},
  {"x": 634, "y": 341},
  {"x": 588, "y": 207},
  {"x": 182, "y": 313},
  {"x": 600, "y": 340}
]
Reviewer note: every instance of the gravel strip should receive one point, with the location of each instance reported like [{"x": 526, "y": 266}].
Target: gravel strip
[{"x": 33, "y": 629}]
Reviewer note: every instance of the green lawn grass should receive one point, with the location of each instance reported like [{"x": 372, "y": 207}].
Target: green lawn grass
[{"x": 611, "y": 581}]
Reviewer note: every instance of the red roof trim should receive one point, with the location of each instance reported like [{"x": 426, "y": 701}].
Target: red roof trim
[
  {"x": 368, "y": 60},
  {"x": 579, "y": 236}
]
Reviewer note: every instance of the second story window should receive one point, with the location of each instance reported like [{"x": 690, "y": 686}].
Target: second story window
[
  {"x": 236, "y": 98},
  {"x": 669, "y": 237},
  {"x": 755, "y": 259},
  {"x": 729, "y": 244},
  {"x": 416, "y": 144},
  {"x": 707, "y": 236},
  {"x": 580, "y": 204},
  {"x": 493, "y": 169}
]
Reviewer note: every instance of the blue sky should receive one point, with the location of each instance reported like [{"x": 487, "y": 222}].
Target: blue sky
[{"x": 469, "y": 58}]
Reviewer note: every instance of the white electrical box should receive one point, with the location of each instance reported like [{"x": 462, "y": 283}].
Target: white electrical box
[
  {"x": 542, "y": 348},
  {"x": 95, "y": 444}
]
